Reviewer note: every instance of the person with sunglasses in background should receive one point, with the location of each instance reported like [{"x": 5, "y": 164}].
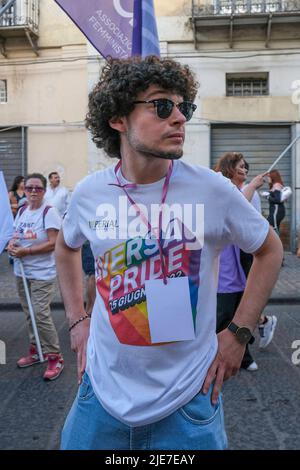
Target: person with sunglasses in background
[
  {"x": 150, "y": 365},
  {"x": 36, "y": 229}
]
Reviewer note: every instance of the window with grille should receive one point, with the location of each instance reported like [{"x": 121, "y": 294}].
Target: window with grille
[
  {"x": 254, "y": 84},
  {"x": 3, "y": 91}
]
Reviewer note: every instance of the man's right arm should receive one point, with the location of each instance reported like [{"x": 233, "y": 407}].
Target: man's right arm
[{"x": 69, "y": 270}]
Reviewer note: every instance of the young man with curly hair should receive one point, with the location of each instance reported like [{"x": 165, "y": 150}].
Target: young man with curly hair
[{"x": 150, "y": 364}]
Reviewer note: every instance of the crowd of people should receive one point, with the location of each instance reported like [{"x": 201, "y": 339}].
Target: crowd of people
[
  {"x": 166, "y": 393},
  {"x": 234, "y": 263}
]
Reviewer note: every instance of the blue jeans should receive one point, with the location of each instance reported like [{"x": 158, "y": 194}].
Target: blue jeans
[{"x": 197, "y": 425}]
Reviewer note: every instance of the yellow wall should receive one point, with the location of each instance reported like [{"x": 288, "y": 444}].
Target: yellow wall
[
  {"x": 261, "y": 109},
  {"x": 171, "y": 7},
  {"x": 45, "y": 97},
  {"x": 58, "y": 149},
  {"x": 46, "y": 93},
  {"x": 56, "y": 28},
  {"x": 40, "y": 95}
]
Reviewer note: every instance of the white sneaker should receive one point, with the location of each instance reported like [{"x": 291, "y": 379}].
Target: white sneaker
[
  {"x": 253, "y": 366},
  {"x": 266, "y": 331}
]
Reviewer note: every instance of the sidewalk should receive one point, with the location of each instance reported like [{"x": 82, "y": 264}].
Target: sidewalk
[{"x": 286, "y": 291}]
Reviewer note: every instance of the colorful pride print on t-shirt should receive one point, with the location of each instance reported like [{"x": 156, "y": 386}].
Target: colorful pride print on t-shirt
[{"x": 120, "y": 277}]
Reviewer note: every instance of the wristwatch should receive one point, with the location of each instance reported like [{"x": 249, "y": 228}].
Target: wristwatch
[{"x": 242, "y": 333}]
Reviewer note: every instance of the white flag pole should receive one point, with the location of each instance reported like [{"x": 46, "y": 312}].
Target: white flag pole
[
  {"x": 31, "y": 312},
  {"x": 283, "y": 153}
]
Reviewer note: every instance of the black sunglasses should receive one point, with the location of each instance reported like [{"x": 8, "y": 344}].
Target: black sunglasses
[{"x": 164, "y": 107}]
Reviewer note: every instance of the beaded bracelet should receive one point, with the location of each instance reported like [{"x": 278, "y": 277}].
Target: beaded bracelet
[{"x": 79, "y": 320}]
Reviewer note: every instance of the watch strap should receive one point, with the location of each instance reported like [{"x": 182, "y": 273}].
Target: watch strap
[{"x": 233, "y": 327}]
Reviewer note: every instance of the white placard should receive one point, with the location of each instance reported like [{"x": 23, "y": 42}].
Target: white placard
[{"x": 169, "y": 310}]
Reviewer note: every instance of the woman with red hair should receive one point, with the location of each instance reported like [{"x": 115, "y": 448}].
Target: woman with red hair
[{"x": 276, "y": 196}]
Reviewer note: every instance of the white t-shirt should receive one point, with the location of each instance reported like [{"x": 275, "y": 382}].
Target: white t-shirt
[
  {"x": 30, "y": 230},
  {"x": 58, "y": 197},
  {"x": 138, "y": 382}
]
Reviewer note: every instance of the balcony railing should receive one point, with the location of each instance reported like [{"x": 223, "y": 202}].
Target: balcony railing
[
  {"x": 244, "y": 7},
  {"x": 22, "y": 13}
]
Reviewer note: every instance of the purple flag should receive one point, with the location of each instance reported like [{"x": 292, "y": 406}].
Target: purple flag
[
  {"x": 113, "y": 25},
  {"x": 107, "y": 24}
]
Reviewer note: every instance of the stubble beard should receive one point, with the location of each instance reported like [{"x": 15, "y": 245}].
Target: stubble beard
[{"x": 150, "y": 152}]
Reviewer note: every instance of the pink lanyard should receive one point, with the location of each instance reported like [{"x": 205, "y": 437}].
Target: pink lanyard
[{"x": 124, "y": 187}]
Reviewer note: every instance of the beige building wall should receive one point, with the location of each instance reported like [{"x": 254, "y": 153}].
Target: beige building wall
[
  {"x": 172, "y": 8},
  {"x": 262, "y": 109},
  {"x": 62, "y": 150},
  {"x": 56, "y": 28},
  {"x": 48, "y": 95},
  {"x": 51, "y": 98},
  {"x": 211, "y": 58},
  {"x": 211, "y": 55}
]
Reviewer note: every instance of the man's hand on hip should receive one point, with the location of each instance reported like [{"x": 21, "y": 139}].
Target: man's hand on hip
[
  {"x": 226, "y": 363},
  {"x": 79, "y": 337}
]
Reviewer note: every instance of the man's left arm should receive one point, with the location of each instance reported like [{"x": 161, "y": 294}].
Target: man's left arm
[{"x": 261, "y": 280}]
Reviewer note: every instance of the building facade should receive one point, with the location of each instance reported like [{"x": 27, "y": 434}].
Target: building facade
[
  {"x": 245, "y": 53},
  {"x": 43, "y": 92}
]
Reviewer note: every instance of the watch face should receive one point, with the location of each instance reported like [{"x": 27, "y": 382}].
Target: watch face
[{"x": 243, "y": 335}]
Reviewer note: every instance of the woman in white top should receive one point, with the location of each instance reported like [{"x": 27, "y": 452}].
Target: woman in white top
[{"x": 36, "y": 229}]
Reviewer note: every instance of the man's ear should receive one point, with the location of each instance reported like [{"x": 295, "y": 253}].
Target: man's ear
[{"x": 118, "y": 123}]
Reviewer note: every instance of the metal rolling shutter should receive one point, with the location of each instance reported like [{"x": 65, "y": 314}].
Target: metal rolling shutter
[
  {"x": 12, "y": 154},
  {"x": 260, "y": 145}
]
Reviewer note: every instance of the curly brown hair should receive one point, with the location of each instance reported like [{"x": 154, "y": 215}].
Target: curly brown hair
[
  {"x": 119, "y": 85},
  {"x": 227, "y": 163}
]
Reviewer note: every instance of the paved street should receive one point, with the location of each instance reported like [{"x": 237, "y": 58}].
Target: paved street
[
  {"x": 32, "y": 411},
  {"x": 262, "y": 408}
]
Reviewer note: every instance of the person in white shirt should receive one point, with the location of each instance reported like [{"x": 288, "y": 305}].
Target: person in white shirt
[
  {"x": 149, "y": 361},
  {"x": 57, "y": 195},
  {"x": 36, "y": 229}
]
